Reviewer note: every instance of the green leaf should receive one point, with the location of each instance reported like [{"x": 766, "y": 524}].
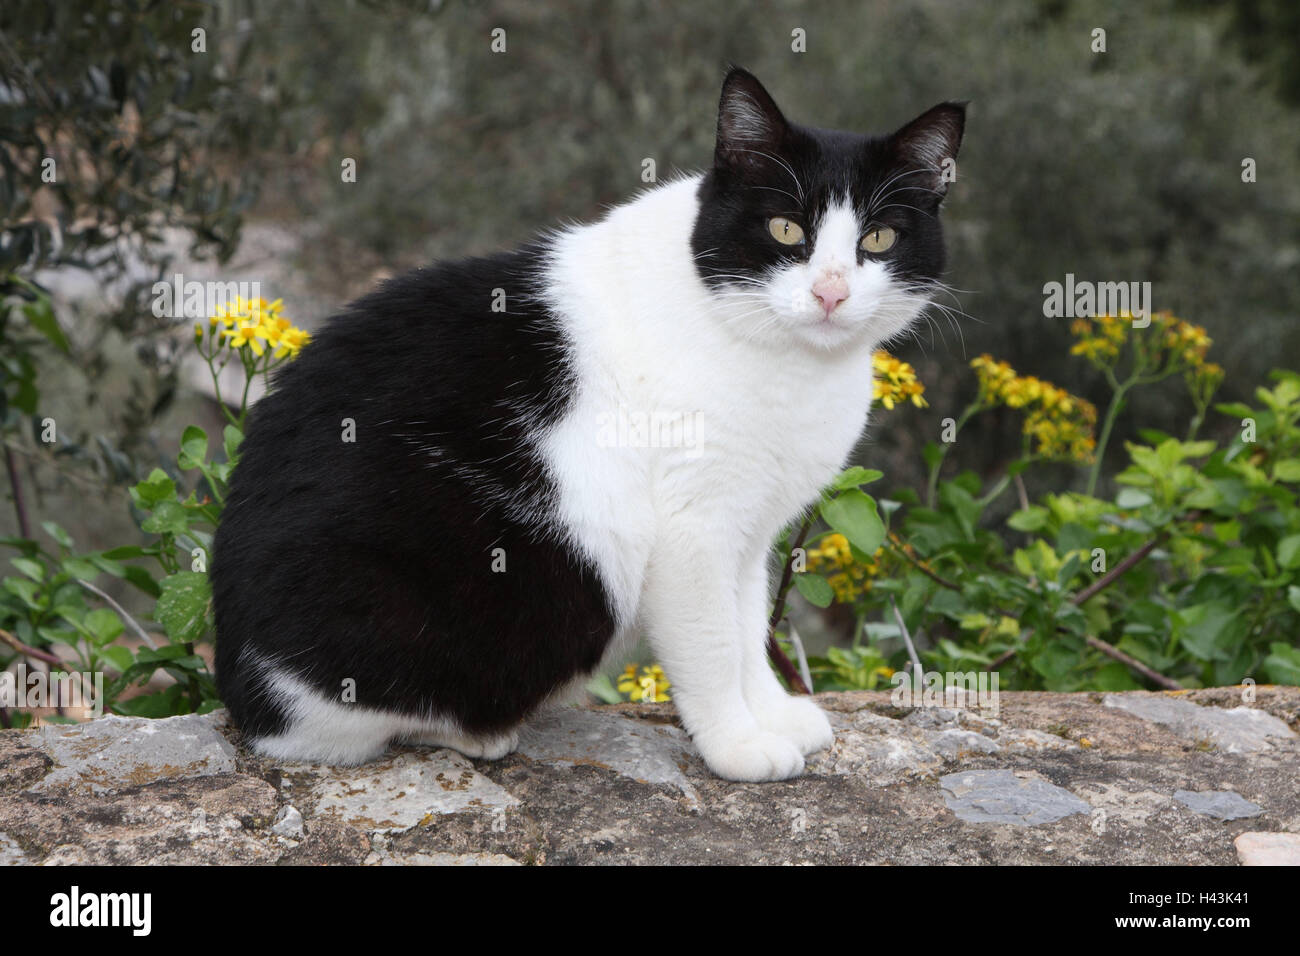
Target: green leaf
[
  {"x": 1288, "y": 469},
  {"x": 231, "y": 439},
  {"x": 194, "y": 447},
  {"x": 1033, "y": 518},
  {"x": 1055, "y": 661},
  {"x": 1068, "y": 569},
  {"x": 25, "y": 591},
  {"x": 1115, "y": 676},
  {"x": 40, "y": 314},
  {"x": 1235, "y": 409},
  {"x": 852, "y": 477},
  {"x": 128, "y": 551},
  {"x": 1282, "y": 666},
  {"x": 603, "y": 689},
  {"x": 816, "y": 590},
  {"x": 108, "y": 566},
  {"x": 59, "y": 635},
  {"x": 104, "y": 624},
  {"x": 165, "y": 703},
  {"x": 120, "y": 657},
  {"x": 1131, "y": 498},
  {"x": 33, "y": 569},
  {"x": 57, "y": 533},
  {"x": 169, "y": 517},
  {"x": 1288, "y": 552},
  {"x": 1210, "y": 631},
  {"x": 853, "y": 514},
  {"x": 156, "y": 488},
  {"x": 963, "y": 506},
  {"x": 81, "y": 568},
  {"x": 182, "y": 608},
  {"x": 143, "y": 580}
]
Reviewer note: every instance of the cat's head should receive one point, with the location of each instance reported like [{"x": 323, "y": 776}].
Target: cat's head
[{"x": 821, "y": 236}]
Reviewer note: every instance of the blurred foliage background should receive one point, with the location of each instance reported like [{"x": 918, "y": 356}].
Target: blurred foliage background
[{"x": 1117, "y": 166}]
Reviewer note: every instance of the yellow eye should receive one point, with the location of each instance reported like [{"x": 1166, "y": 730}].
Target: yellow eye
[
  {"x": 879, "y": 239},
  {"x": 784, "y": 231}
]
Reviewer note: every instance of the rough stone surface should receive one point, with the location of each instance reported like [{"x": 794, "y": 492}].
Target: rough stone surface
[
  {"x": 288, "y": 823},
  {"x": 1134, "y": 778},
  {"x": 1001, "y": 796},
  {"x": 645, "y": 752},
  {"x": 1268, "y": 849},
  {"x": 1223, "y": 804},
  {"x": 11, "y": 854},
  {"x": 119, "y": 751},
  {"x": 1239, "y": 730},
  {"x": 403, "y": 791}
]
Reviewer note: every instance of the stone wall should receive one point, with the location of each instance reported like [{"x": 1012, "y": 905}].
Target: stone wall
[{"x": 1194, "y": 777}]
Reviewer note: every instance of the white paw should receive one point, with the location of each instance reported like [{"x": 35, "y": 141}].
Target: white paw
[
  {"x": 478, "y": 747},
  {"x": 798, "y": 720},
  {"x": 494, "y": 748},
  {"x": 751, "y": 755}
]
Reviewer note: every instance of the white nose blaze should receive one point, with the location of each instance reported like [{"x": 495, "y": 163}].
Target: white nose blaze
[{"x": 834, "y": 254}]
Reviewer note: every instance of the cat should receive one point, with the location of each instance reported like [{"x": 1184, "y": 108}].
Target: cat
[{"x": 450, "y": 510}]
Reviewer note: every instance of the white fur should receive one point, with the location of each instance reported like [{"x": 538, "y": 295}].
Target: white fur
[
  {"x": 777, "y": 394},
  {"x": 780, "y": 394}
]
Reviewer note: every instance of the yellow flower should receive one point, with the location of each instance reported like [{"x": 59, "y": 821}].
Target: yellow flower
[
  {"x": 650, "y": 686},
  {"x": 848, "y": 577},
  {"x": 245, "y": 335},
  {"x": 257, "y": 324},
  {"x": 1171, "y": 343},
  {"x": 895, "y": 382},
  {"x": 1059, "y": 424}
]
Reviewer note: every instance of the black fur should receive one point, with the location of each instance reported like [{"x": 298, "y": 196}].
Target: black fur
[
  {"x": 372, "y": 560},
  {"x": 783, "y": 169}
]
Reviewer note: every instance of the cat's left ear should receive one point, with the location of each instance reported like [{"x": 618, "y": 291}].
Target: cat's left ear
[
  {"x": 931, "y": 142},
  {"x": 751, "y": 130}
]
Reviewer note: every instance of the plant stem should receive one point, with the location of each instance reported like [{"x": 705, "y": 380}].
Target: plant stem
[
  {"x": 122, "y": 613},
  {"x": 918, "y": 677},
  {"x": 1112, "y": 412},
  {"x": 928, "y": 572},
  {"x": 774, "y": 652},
  {"x": 932, "y": 484},
  {"x": 1109, "y": 578},
  {"x": 1132, "y": 663},
  {"x": 16, "y": 485},
  {"x": 31, "y": 652}
]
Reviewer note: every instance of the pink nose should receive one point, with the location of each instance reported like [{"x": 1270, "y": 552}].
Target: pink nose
[{"x": 831, "y": 290}]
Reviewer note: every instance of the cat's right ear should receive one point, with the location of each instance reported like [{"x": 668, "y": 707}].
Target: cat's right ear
[{"x": 751, "y": 129}]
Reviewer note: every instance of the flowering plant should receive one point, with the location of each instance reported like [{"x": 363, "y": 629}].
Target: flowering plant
[{"x": 1188, "y": 576}]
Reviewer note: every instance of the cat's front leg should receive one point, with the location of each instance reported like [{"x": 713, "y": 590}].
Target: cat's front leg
[
  {"x": 690, "y": 613},
  {"x": 797, "y": 718}
]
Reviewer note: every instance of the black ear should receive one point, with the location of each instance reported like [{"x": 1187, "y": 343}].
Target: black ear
[
  {"x": 749, "y": 124},
  {"x": 930, "y": 142}
]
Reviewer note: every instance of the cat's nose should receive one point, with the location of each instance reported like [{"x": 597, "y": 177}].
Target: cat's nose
[{"x": 831, "y": 290}]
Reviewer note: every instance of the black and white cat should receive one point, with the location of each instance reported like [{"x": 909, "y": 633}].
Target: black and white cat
[{"x": 488, "y": 538}]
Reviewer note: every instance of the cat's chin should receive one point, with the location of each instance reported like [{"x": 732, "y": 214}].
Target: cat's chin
[{"x": 831, "y": 334}]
